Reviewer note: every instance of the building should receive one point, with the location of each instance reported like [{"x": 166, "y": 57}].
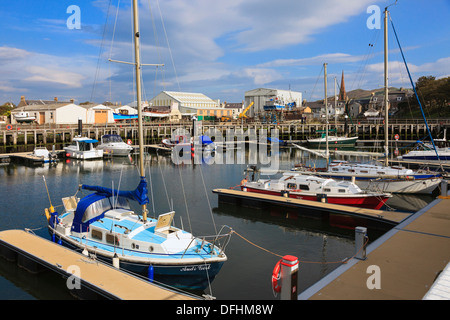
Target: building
[
  {"x": 195, "y": 104},
  {"x": 262, "y": 96},
  {"x": 63, "y": 112},
  {"x": 236, "y": 108}
]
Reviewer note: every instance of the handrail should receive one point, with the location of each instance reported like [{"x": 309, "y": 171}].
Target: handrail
[{"x": 215, "y": 238}]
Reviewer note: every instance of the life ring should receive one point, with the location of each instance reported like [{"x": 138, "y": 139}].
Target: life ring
[
  {"x": 9, "y": 127},
  {"x": 276, "y": 275}
]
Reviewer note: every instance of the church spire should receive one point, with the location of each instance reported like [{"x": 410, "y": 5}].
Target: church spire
[{"x": 342, "y": 93}]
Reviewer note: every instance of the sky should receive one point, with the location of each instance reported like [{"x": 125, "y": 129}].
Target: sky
[{"x": 60, "y": 48}]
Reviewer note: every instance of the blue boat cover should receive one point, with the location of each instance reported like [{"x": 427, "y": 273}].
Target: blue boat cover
[
  {"x": 205, "y": 140},
  {"x": 139, "y": 194},
  {"x": 93, "y": 206}
]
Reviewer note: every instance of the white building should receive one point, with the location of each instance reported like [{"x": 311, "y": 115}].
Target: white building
[
  {"x": 56, "y": 112},
  {"x": 187, "y": 102},
  {"x": 260, "y": 97}
]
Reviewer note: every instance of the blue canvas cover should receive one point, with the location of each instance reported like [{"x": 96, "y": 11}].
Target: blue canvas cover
[
  {"x": 93, "y": 206},
  {"x": 139, "y": 194}
]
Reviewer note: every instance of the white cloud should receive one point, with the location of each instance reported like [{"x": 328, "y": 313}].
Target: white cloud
[{"x": 54, "y": 75}]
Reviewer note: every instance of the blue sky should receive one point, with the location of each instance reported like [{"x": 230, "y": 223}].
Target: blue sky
[{"x": 219, "y": 48}]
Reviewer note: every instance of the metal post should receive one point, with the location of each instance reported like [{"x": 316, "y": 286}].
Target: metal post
[
  {"x": 444, "y": 188},
  {"x": 289, "y": 276},
  {"x": 360, "y": 241}
]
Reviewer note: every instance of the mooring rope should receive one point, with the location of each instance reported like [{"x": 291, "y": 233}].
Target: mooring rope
[{"x": 343, "y": 261}]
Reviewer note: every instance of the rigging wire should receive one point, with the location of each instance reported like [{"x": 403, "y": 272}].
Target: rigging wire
[
  {"x": 414, "y": 88},
  {"x": 168, "y": 45},
  {"x": 100, "y": 52}
]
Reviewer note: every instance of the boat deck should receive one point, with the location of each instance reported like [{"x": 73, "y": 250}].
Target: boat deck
[
  {"x": 108, "y": 281},
  {"x": 409, "y": 259}
]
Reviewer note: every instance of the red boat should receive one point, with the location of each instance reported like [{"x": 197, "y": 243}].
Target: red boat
[{"x": 308, "y": 187}]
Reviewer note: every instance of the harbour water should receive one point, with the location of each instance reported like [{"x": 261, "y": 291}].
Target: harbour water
[{"x": 262, "y": 234}]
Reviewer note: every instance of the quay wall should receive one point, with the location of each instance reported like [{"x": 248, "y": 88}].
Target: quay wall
[{"x": 23, "y": 138}]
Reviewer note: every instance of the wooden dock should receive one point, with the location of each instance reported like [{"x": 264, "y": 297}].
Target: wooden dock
[
  {"x": 387, "y": 217},
  {"x": 403, "y": 264},
  {"x": 37, "y": 254}
]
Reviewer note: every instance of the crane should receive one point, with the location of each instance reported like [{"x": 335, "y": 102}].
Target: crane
[{"x": 243, "y": 113}]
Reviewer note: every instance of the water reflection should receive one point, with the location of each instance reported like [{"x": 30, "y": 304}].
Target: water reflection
[{"x": 314, "y": 238}]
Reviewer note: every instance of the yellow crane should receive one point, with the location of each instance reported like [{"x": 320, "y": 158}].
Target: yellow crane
[{"x": 243, "y": 113}]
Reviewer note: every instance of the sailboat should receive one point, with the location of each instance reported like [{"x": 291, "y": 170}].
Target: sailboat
[
  {"x": 378, "y": 177},
  {"x": 103, "y": 225}
]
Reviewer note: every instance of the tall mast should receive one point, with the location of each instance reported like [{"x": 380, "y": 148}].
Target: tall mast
[
  {"x": 386, "y": 93},
  {"x": 138, "y": 94},
  {"x": 326, "y": 111}
]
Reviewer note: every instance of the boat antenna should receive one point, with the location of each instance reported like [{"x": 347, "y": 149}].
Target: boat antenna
[{"x": 52, "y": 209}]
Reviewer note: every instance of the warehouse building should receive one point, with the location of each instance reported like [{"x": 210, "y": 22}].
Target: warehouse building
[
  {"x": 262, "y": 97},
  {"x": 195, "y": 104}
]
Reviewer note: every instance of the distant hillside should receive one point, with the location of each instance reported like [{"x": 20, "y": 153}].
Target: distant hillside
[{"x": 361, "y": 94}]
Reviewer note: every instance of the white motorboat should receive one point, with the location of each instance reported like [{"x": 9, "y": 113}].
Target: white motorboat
[
  {"x": 83, "y": 148},
  {"x": 47, "y": 156},
  {"x": 309, "y": 187},
  {"x": 112, "y": 144},
  {"x": 24, "y": 117},
  {"x": 426, "y": 152}
]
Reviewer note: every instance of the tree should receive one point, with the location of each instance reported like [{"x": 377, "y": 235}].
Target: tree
[{"x": 434, "y": 94}]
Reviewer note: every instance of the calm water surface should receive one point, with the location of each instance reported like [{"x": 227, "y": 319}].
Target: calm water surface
[{"x": 246, "y": 274}]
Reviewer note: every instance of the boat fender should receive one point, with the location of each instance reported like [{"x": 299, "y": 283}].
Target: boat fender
[
  {"x": 47, "y": 214},
  {"x": 150, "y": 273},
  {"x": 276, "y": 275}
]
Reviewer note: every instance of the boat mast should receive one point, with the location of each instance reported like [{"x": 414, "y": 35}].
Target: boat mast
[
  {"x": 138, "y": 95},
  {"x": 326, "y": 111},
  {"x": 386, "y": 93}
]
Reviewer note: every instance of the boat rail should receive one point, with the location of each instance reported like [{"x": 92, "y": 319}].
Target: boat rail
[{"x": 215, "y": 240}]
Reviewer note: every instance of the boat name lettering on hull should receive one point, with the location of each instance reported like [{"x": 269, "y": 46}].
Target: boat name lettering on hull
[{"x": 202, "y": 267}]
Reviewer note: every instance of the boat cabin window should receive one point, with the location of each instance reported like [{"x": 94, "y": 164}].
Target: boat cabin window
[
  {"x": 351, "y": 170},
  {"x": 381, "y": 172},
  {"x": 292, "y": 186},
  {"x": 334, "y": 169},
  {"x": 84, "y": 146},
  {"x": 326, "y": 190},
  {"x": 96, "y": 234},
  {"x": 303, "y": 187},
  {"x": 112, "y": 239},
  {"x": 341, "y": 190},
  {"x": 364, "y": 171},
  {"x": 112, "y": 138}
]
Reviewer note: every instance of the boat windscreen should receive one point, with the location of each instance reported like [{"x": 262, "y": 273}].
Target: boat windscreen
[{"x": 93, "y": 207}]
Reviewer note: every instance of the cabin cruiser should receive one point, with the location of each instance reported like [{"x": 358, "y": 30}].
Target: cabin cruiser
[
  {"x": 83, "y": 148},
  {"x": 112, "y": 144},
  {"x": 309, "y": 187}
]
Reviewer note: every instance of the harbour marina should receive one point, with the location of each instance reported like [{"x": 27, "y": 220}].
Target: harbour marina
[
  {"x": 308, "y": 236},
  {"x": 119, "y": 208}
]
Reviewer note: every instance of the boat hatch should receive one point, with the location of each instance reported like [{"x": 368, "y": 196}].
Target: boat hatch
[
  {"x": 70, "y": 203},
  {"x": 163, "y": 225}
]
